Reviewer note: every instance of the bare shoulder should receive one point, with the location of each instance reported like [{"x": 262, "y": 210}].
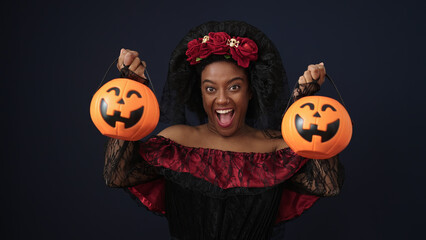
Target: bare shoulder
[
  {"x": 276, "y": 138},
  {"x": 177, "y": 133}
]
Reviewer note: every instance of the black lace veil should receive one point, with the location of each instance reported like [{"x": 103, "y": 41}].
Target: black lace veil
[{"x": 268, "y": 81}]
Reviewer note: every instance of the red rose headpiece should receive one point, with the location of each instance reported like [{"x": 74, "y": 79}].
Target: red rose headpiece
[{"x": 242, "y": 50}]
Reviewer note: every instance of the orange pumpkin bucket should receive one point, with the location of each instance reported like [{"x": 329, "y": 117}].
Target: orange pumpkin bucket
[
  {"x": 125, "y": 109},
  {"x": 317, "y": 127}
]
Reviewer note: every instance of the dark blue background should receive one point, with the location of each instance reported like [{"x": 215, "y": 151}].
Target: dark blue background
[{"x": 54, "y": 57}]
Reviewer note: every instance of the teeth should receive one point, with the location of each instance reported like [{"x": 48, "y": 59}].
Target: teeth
[{"x": 224, "y": 111}]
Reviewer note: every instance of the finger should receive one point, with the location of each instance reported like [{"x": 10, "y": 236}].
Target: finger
[
  {"x": 315, "y": 71},
  {"x": 308, "y": 76},
  {"x": 129, "y": 57},
  {"x": 126, "y": 57},
  {"x": 136, "y": 62},
  {"x": 137, "y": 67},
  {"x": 134, "y": 53},
  {"x": 302, "y": 80},
  {"x": 123, "y": 52},
  {"x": 322, "y": 71}
]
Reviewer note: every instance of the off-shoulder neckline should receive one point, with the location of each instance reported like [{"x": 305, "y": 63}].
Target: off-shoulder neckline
[{"x": 287, "y": 149}]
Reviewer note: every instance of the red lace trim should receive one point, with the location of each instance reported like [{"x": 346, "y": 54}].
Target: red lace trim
[{"x": 223, "y": 168}]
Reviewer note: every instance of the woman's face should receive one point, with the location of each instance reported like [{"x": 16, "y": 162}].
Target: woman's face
[{"x": 226, "y": 93}]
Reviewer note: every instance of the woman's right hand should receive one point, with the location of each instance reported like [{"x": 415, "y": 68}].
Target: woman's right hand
[{"x": 131, "y": 58}]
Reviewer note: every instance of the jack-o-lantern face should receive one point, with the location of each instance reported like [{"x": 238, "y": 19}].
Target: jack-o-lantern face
[
  {"x": 124, "y": 109},
  {"x": 117, "y": 106},
  {"x": 317, "y": 127},
  {"x": 310, "y": 124}
]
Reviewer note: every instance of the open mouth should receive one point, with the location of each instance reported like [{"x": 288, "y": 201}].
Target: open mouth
[
  {"x": 225, "y": 117},
  {"x": 308, "y": 133},
  {"x": 135, "y": 116}
]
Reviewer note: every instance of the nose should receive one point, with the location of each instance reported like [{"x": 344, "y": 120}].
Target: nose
[
  {"x": 222, "y": 98},
  {"x": 121, "y": 101},
  {"x": 317, "y": 114}
]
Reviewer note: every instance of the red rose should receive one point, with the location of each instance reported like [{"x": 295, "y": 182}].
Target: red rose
[
  {"x": 197, "y": 50},
  {"x": 245, "y": 52},
  {"x": 242, "y": 50},
  {"x": 217, "y": 43}
]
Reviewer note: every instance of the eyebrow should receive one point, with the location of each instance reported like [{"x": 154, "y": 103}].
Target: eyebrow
[{"x": 228, "y": 82}]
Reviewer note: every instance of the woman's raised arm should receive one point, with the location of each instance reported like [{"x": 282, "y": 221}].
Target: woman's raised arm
[
  {"x": 318, "y": 177},
  {"x": 124, "y": 167}
]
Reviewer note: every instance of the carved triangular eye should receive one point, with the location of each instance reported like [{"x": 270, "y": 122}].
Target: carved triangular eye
[{"x": 311, "y": 105}]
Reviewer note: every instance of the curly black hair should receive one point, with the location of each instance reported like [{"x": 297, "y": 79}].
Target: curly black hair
[{"x": 267, "y": 79}]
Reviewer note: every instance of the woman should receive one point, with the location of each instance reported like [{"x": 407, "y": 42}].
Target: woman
[{"x": 231, "y": 176}]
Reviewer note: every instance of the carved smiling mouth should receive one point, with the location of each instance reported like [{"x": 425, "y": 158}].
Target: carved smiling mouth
[
  {"x": 325, "y": 135},
  {"x": 225, "y": 117},
  {"x": 135, "y": 116}
]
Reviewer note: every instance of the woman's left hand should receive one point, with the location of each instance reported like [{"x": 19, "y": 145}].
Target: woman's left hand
[{"x": 313, "y": 72}]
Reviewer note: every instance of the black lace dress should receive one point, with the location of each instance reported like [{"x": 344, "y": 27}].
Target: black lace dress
[{"x": 213, "y": 194}]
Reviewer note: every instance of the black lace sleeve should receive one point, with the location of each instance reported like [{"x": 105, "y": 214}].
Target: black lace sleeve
[
  {"x": 322, "y": 177},
  {"x": 124, "y": 167}
]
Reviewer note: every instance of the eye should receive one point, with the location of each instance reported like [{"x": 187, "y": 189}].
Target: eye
[
  {"x": 210, "y": 89},
  {"x": 234, "y": 87},
  {"x": 325, "y": 106},
  {"x": 133, "y": 92},
  {"x": 311, "y": 106},
  {"x": 117, "y": 91}
]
